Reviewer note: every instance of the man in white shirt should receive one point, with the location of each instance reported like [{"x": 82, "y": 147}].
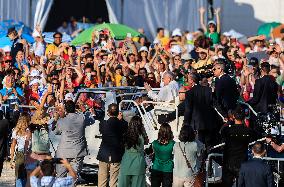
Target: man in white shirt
[{"x": 168, "y": 92}]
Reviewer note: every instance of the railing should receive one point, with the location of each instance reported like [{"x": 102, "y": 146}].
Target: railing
[
  {"x": 162, "y": 104},
  {"x": 138, "y": 108},
  {"x": 276, "y": 175},
  {"x": 208, "y": 165}
]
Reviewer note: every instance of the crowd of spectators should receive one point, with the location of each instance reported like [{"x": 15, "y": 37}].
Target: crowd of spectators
[{"x": 216, "y": 67}]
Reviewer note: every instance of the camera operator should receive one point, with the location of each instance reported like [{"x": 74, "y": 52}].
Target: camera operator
[
  {"x": 237, "y": 138},
  {"x": 46, "y": 169}
]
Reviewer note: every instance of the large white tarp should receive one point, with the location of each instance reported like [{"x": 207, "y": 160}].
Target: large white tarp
[{"x": 150, "y": 14}]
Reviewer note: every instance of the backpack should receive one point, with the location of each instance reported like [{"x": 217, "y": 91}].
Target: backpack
[{"x": 40, "y": 140}]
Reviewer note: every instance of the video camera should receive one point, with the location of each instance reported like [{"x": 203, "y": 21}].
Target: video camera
[
  {"x": 206, "y": 71},
  {"x": 269, "y": 123}
]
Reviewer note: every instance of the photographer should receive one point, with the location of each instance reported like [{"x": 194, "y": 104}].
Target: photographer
[{"x": 47, "y": 170}]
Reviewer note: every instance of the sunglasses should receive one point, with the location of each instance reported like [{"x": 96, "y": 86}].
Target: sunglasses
[
  {"x": 58, "y": 37},
  {"x": 214, "y": 69},
  {"x": 7, "y": 61}
]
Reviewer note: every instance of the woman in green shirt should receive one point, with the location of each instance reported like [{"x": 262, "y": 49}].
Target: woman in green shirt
[
  {"x": 162, "y": 168},
  {"x": 213, "y": 30},
  {"x": 133, "y": 166}
]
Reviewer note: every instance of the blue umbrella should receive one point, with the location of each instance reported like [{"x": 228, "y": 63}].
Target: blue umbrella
[{"x": 5, "y": 41}]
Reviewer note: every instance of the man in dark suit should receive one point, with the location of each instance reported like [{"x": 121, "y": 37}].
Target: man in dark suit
[
  {"x": 111, "y": 148},
  {"x": 4, "y": 131},
  {"x": 265, "y": 90},
  {"x": 256, "y": 172},
  {"x": 199, "y": 112},
  {"x": 237, "y": 138},
  {"x": 226, "y": 90}
]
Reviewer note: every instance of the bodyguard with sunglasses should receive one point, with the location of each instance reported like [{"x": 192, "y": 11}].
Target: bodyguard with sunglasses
[{"x": 226, "y": 91}]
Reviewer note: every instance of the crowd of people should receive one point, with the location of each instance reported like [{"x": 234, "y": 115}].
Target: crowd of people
[{"x": 207, "y": 71}]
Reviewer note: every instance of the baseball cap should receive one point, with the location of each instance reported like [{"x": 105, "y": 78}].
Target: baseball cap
[
  {"x": 7, "y": 58},
  {"x": 34, "y": 73},
  {"x": 69, "y": 97},
  {"x": 143, "y": 48},
  {"x": 211, "y": 22},
  {"x": 120, "y": 45},
  {"x": 176, "y": 32},
  {"x": 186, "y": 56},
  {"x": 35, "y": 81},
  {"x": 176, "y": 49}
]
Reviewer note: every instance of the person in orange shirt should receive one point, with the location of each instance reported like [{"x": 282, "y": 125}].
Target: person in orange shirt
[
  {"x": 161, "y": 36},
  {"x": 54, "y": 47}
]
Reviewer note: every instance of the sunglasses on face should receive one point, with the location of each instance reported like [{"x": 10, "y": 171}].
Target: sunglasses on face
[
  {"x": 57, "y": 37},
  {"x": 214, "y": 69},
  {"x": 8, "y": 61}
]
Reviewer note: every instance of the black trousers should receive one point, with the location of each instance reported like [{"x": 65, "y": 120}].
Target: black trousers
[
  {"x": 229, "y": 173},
  {"x": 208, "y": 137},
  {"x": 1, "y": 166},
  {"x": 159, "y": 177}
]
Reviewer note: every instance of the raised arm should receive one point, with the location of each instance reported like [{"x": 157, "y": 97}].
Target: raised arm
[
  {"x": 217, "y": 13},
  {"x": 201, "y": 14}
]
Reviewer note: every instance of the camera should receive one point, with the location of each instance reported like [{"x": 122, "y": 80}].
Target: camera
[{"x": 206, "y": 71}]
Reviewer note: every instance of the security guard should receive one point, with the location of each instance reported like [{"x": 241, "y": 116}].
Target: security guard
[{"x": 237, "y": 138}]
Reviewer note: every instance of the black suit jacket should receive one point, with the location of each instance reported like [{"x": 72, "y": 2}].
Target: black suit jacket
[
  {"x": 111, "y": 148},
  {"x": 264, "y": 94},
  {"x": 255, "y": 172},
  {"x": 4, "y": 131},
  {"x": 199, "y": 112},
  {"x": 226, "y": 94}
]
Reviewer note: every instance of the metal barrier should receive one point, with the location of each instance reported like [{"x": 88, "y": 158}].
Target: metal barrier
[
  {"x": 276, "y": 175},
  {"x": 208, "y": 165},
  {"x": 163, "y": 104}
]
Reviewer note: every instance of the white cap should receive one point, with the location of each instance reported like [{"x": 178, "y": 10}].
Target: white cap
[
  {"x": 34, "y": 73},
  {"x": 102, "y": 63},
  {"x": 143, "y": 48},
  {"x": 211, "y": 22},
  {"x": 128, "y": 35},
  {"x": 35, "y": 81},
  {"x": 6, "y": 49},
  {"x": 176, "y": 49},
  {"x": 186, "y": 56},
  {"x": 35, "y": 34},
  {"x": 176, "y": 32},
  {"x": 69, "y": 97}
]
